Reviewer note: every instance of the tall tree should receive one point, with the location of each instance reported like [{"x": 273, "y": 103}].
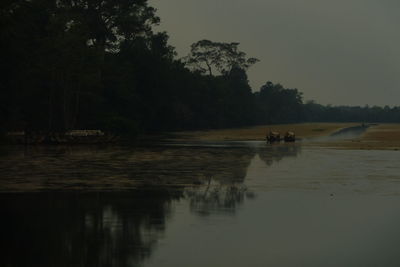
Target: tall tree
[
  {"x": 53, "y": 55},
  {"x": 108, "y": 22},
  {"x": 206, "y": 55},
  {"x": 277, "y": 104}
]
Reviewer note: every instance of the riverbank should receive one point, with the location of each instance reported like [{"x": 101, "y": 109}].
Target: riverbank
[
  {"x": 376, "y": 137},
  {"x": 258, "y": 133}
]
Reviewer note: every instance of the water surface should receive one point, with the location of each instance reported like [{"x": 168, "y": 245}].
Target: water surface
[{"x": 199, "y": 204}]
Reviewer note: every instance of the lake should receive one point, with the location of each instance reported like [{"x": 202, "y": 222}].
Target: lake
[{"x": 199, "y": 204}]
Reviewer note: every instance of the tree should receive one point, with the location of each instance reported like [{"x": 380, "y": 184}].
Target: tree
[
  {"x": 277, "y": 104},
  {"x": 53, "y": 56},
  {"x": 106, "y": 23},
  {"x": 206, "y": 55}
]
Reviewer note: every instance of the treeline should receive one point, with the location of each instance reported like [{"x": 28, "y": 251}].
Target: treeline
[
  {"x": 317, "y": 112},
  {"x": 89, "y": 64}
]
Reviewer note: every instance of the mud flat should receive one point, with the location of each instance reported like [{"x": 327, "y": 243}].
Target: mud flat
[
  {"x": 330, "y": 135},
  {"x": 258, "y": 133},
  {"x": 376, "y": 137}
]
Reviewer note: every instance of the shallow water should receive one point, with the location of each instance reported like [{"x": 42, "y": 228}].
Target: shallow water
[{"x": 199, "y": 204}]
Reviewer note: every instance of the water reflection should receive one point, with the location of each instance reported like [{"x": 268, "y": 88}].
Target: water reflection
[
  {"x": 159, "y": 206},
  {"x": 93, "y": 229},
  {"x": 108, "y": 206},
  {"x": 275, "y": 153},
  {"x": 116, "y": 169},
  {"x": 217, "y": 197}
]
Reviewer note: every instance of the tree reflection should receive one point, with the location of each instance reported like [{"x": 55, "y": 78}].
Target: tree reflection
[
  {"x": 92, "y": 229},
  {"x": 275, "y": 153},
  {"x": 216, "y": 197},
  {"x": 118, "y": 228},
  {"x": 222, "y": 190},
  {"x": 116, "y": 168}
]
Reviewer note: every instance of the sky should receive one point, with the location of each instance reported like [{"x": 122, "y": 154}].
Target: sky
[{"x": 342, "y": 52}]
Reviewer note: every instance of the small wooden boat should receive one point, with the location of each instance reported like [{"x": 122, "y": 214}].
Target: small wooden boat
[
  {"x": 290, "y": 137},
  {"x": 273, "y": 137}
]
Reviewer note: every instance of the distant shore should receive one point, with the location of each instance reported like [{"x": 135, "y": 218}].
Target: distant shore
[
  {"x": 258, "y": 133},
  {"x": 377, "y": 137}
]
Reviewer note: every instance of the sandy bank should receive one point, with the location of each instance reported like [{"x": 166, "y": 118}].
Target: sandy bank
[
  {"x": 258, "y": 133},
  {"x": 377, "y": 137}
]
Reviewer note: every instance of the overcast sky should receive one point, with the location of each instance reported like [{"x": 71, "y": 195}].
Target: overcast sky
[{"x": 335, "y": 52}]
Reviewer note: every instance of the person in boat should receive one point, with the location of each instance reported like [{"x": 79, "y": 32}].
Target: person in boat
[
  {"x": 290, "y": 137},
  {"x": 273, "y": 137}
]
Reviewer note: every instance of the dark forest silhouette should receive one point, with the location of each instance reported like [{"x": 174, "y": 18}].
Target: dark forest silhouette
[{"x": 99, "y": 65}]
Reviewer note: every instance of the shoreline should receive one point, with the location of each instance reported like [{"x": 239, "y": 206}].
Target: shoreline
[{"x": 354, "y": 136}]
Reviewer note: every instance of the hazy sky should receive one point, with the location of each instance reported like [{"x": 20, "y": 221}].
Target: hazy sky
[{"x": 335, "y": 52}]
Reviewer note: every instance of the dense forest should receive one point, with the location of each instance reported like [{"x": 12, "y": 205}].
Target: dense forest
[{"x": 91, "y": 64}]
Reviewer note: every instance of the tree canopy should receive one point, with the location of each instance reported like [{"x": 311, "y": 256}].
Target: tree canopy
[
  {"x": 206, "y": 55},
  {"x": 89, "y": 64}
]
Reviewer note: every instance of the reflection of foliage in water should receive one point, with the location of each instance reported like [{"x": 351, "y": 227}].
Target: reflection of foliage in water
[
  {"x": 124, "y": 168},
  {"x": 215, "y": 197},
  {"x": 95, "y": 169},
  {"x": 224, "y": 193},
  {"x": 72, "y": 229},
  {"x": 275, "y": 153},
  {"x": 221, "y": 180},
  {"x": 114, "y": 229}
]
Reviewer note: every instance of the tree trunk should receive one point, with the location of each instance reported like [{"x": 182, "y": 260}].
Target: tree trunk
[
  {"x": 76, "y": 111},
  {"x": 209, "y": 68},
  {"x": 50, "y": 111}
]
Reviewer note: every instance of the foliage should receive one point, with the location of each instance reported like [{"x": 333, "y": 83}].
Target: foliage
[
  {"x": 206, "y": 55},
  {"x": 89, "y": 64},
  {"x": 279, "y": 105}
]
